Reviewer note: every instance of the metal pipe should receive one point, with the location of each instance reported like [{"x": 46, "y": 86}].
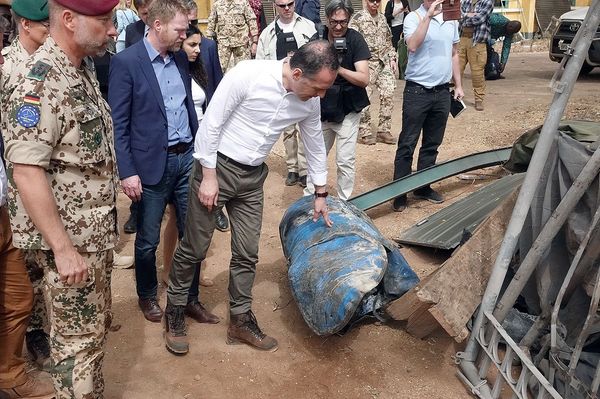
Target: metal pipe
[
  {"x": 549, "y": 231},
  {"x": 529, "y": 187}
]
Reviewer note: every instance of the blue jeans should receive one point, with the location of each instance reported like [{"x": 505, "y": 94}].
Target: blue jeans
[{"x": 172, "y": 188}]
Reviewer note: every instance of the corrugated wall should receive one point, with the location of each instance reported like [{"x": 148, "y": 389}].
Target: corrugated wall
[{"x": 546, "y": 9}]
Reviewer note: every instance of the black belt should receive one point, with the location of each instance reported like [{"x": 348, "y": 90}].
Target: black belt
[
  {"x": 247, "y": 168},
  {"x": 443, "y": 87},
  {"x": 179, "y": 148}
]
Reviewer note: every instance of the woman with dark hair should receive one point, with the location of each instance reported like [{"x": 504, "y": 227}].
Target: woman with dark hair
[
  {"x": 395, "y": 11},
  {"x": 205, "y": 71}
]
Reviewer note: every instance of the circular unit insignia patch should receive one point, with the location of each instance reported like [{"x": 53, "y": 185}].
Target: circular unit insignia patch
[{"x": 28, "y": 115}]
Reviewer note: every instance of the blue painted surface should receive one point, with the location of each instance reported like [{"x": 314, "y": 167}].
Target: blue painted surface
[{"x": 343, "y": 273}]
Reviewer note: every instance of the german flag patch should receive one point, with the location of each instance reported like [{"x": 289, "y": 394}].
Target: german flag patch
[{"x": 32, "y": 98}]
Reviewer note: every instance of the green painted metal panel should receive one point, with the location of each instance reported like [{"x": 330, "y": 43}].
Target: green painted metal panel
[
  {"x": 430, "y": 175},
  {"x": 446, "y": 228}
]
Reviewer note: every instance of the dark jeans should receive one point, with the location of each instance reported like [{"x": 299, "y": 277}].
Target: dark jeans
[
  {"x": 173, "y": 187},
  {"x": 425, "y": 109},
  {"x": 396, "y": 33}
]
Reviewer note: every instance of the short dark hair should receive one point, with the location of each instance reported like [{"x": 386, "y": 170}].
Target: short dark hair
[
  {"x": 334, "y": 5},
  {"x": 314, "y": 56},
  {"x": 512, "y": 27}
]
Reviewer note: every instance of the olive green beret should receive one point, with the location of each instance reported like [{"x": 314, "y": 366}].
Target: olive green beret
[{"x": 35, "y": 10}]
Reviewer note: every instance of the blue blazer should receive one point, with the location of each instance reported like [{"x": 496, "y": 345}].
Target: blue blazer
[
  {"x": 212, "y": 66},
  {"x": 138, "y": 112}
]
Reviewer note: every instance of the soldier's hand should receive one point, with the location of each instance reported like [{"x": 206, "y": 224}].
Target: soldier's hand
[
  {"x": 71, "y": 267},
  {"x": 132, "y": 187},
  {"x": 253, "y": 49},
  {"x": 208, "y": 193},
  {"x": 394, "y": 65}
]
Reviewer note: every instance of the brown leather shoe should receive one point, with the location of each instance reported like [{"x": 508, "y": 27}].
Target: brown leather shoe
[
  {"x": 175, "y": 334},
  {"x": 386, "y": 138},
  {"x": 37, "y": 386},
  {"x": 151, "y": 309},
  {"x": 479, "y": 105},
  {"x": 198, "y": 312},
  {"x": 243, "y": 329}
]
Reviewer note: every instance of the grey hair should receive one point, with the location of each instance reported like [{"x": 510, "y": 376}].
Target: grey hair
[{"x": 335, "y": 5}]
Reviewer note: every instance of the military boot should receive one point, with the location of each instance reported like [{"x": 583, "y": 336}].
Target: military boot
[
  {"x": 175, "y": 334},
  {"x": 243, "y": 329}
]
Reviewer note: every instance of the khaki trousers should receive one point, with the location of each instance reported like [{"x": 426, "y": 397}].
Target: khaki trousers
[
  {"x": 241, "y": 192},
  {"x": 294, "y": 159},
  {"x": 16, "y": 299},
  {"x": 476, "y": 57}
]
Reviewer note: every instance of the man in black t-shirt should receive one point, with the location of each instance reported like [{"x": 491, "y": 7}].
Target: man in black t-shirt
[{"x": 341, "y": 106}]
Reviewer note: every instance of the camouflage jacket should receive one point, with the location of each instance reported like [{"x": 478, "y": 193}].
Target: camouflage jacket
[
  {"x": 232, "y": 23},
  {"x": 57, "y": 119},
  {"x": 14, "y": 55},
  {"x": 377, "y": 34}
]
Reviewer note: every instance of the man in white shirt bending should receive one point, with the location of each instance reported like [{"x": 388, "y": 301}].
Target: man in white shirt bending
[{"x": 252, "y": 106}]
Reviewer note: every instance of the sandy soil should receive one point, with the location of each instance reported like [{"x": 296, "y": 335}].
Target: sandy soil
[{"x": 372, "y": 360}]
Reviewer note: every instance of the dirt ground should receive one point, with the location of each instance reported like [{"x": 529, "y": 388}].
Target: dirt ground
[{"x": 372, "y": 360}]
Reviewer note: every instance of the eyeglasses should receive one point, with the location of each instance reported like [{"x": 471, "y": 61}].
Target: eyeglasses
[
  {"x": 335, "y": 22},
  {"x": 284, "y": 6}
]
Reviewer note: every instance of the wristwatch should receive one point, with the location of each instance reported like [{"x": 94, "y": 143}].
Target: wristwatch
[{"x": 321, "y": 195}]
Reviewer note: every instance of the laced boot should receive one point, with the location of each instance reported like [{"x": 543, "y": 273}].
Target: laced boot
[
  {"x": 175, "y": 334},
  {"x": 243, "y": 328}
]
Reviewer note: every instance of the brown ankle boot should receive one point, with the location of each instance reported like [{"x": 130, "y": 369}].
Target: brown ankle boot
[
  {"x": 38, "y": 386},
  {"x": 175, "y": 335},
  {"x": 243, "y": 328}
]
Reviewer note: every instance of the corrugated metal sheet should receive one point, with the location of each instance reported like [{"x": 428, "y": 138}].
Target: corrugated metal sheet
[
  {"x": 446, "y": 228},
  {"x": 546, "y": 9}
]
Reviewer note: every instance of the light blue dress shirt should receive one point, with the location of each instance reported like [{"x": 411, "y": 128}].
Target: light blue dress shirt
[{"x": 173, "y": 94}]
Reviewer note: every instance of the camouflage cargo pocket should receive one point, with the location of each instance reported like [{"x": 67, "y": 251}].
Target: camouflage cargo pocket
[
  {"x": 75, "y": 308},
  {"x": 91, "y": 133}
]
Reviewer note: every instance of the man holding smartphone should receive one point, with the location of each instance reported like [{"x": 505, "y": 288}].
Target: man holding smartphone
[{"x": 426, "y": 101}]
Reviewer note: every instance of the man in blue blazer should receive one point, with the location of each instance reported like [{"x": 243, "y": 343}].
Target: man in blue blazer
[{"x": 155, "y": 124}]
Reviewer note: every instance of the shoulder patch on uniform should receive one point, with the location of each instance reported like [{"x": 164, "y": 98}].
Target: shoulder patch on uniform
[
  {"x": 28, "y": 115},
  {"x": 39, "y": 71}
]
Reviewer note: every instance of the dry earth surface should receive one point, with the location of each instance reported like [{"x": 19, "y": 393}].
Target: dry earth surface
[{"x": 373, "y": 360}]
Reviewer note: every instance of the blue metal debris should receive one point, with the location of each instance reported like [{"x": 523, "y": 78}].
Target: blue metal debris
[{"x": 343, "y": 273}]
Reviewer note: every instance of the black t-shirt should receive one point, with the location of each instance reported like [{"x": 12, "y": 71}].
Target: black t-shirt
[{"x": 358, "y": 50}]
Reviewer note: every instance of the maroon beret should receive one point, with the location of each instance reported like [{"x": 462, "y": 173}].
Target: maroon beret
[{"x": 89, "y": 7}]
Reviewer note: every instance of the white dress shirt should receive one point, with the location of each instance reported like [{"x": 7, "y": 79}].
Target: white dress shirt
[
  {"x": 199, "y": 98},
  {"x": 249, "y": 111},
  {"x": 3, "y": 184}
]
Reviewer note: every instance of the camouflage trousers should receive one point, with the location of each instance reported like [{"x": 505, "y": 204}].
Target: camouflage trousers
[
  {"x": 239, "y": 53},
  {"x": 79, "y": 317},
  {"x": 382, "y": 77},
  {"x": 39, "y": 315}
]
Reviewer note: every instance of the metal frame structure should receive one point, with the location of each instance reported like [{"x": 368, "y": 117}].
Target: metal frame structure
[{"x": 491, "y": 314}]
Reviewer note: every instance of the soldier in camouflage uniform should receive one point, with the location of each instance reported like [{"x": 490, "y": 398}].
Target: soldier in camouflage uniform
[
  {"x": 31, "y": 19},
  {"x": 232, "y": 24},
  {"x": 62, "y": 194},
  {"x": 382, "y": 69}
]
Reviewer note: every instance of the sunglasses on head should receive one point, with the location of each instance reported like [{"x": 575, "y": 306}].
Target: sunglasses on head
[{"x": 287, "y": 5}]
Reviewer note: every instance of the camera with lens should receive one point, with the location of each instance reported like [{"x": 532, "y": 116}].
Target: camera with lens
[{"x": 339, "y": 43}]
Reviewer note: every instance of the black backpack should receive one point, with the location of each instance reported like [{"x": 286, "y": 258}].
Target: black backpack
[{"x": 492, "y": 67}]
